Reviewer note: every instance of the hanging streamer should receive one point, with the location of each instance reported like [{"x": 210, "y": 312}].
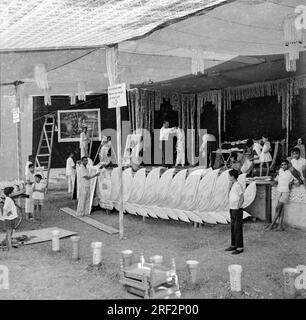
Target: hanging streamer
[
  {"x": 81, "y": 91},
  {"x": 40, "y": 75},
  {"x": 293, "y": 42}
]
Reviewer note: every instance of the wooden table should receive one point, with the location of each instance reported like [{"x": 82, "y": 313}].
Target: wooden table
[{"x": 268, "y": 199}]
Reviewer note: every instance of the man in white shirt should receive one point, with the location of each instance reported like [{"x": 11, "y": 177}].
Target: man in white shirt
[
  {"x": 235, "y": 204},
  {"x": 284, "y": 181},
  {"x": 84, "y": 140},
  {"x": 70, "y": 172},
  {"x": 298, "y": 163},
  {"x": 84, "y": 190},
  {"x": 165, "y": 131}
]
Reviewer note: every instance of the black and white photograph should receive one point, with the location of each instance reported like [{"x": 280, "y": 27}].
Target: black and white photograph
[{"x": 153, "y": 153}]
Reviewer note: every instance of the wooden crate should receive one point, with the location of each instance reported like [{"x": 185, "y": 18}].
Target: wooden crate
[{"x": 150, "y": 281}]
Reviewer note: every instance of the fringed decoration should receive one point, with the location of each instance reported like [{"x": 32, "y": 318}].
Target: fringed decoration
[
  {"x": 72, "y": 99},
  {"x": 81, "y": 91},
  {"x": 112, "y": 64},
  {"x": 40, "y": 75},
  {"x": 157, "y": 100},
  {"x": 47, "y": 98},
  {"x": 197, "y": 61},
  {"x": 293, "y": 42}
]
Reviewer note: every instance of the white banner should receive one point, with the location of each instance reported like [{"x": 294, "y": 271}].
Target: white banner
[{"x": 117, "y": 96}]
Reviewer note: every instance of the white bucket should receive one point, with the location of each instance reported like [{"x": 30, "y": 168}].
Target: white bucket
[
  {"x": 235, "y": 271},
  {"x": 97, "y": 252},
  {"x": 290, "y": 275},
  {"x": 192, "y": 266},
  {"x": 127, "y": 256},
  {"x": 75, "y": 247},
  {"x": 55, "y": 240}
]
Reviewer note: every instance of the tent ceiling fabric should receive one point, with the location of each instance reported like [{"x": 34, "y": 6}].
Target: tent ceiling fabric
[
  {"x": 238, "y": 31},
  {"x": 65, "y": 68},
  {"x": 238, "y": 28},
  {"x": 75, "y": 23},
  {"x": 232, "y": 73}
]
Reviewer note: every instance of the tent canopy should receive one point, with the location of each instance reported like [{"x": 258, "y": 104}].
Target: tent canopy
[{"x": 239, "y": 32}]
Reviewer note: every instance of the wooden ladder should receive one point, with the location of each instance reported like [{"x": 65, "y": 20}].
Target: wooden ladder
[{"x": 44, "y": 150}]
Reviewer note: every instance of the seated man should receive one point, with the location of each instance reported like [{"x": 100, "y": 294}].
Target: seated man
[{"x": 298, "y": 166}]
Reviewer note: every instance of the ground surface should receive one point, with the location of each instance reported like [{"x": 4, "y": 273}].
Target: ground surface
[{"x": 36, "y": 273}]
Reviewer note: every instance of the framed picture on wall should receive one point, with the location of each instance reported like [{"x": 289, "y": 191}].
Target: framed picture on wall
[{"x": 71, "y": 122}]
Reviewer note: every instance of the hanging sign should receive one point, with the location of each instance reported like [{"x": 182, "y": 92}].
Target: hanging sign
[
  {"x": 117, "y": 96},
  {"x": 16, "y": 115}
]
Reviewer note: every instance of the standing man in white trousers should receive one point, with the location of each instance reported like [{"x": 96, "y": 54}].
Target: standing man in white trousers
[
  {"x": 84, "y": 191},
  {"x": 70, "y": 172}
]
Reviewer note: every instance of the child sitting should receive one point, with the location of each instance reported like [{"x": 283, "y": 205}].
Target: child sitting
[
  {"x": 38, "y": 196},
  {"x": 9, "y": 215},
  {"x": 285, "y": 180}
]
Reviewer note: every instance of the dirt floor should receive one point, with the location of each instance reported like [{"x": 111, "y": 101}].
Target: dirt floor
[{"x": 36, "y": 273}]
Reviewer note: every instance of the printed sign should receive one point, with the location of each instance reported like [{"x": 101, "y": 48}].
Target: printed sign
[
  {"x": 117, "y": 96},
  {"x": 16, "y": 115},
  {"x": 300, "y": 281}
]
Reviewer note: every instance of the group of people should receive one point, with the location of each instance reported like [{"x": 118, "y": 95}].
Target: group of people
[
  {"x": 35, "y": 192},
  {"x": 255, "y": 153},
  {"x": 292, "y": 172}
]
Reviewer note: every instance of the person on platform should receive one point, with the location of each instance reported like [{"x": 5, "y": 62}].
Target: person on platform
[
  {"x": 165, "y": 131},
  {"x": 236, "y": 199},
  {"x": 298, "y": 165},
  {"x": 38, "y": 196},
  {"x": 301, "y": 147},
  {"x": 180, "y": 147},
  {"x": 265, "y": 156},
  {"x": 284, "y": 181},
  {"x": 29, "y": 180},
  {"x": 30, "y": 160},
  {"x": 70, "y": 172},
  {"x": 8, "y": 213},
  {"x": 84, "y": 190},
  {"x": 84, "y": 140}
]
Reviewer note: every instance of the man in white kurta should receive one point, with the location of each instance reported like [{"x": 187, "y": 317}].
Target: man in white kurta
[
  {"x": 70, "y": 172},
  {"x": 165, "y": 131},
  {"x": 84, "y": 140},
  {"x": 84, "y": 190},
  {"x": 29, "y": 180}
]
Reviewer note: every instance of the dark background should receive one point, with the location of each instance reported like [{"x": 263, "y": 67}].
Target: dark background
[{"x": 247, "y": 119}]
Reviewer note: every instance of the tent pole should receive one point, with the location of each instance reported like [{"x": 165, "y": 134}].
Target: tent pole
[
  {"x": 18, "y": 136},
  {"x": 118, "y": 118}
]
